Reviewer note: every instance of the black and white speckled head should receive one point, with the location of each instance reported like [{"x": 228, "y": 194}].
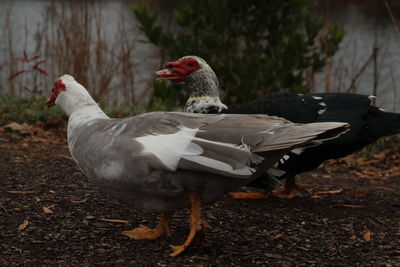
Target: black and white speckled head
[{"x": 198, "y": 80}]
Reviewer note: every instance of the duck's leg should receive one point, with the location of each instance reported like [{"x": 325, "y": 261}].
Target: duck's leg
[
  {"x": 290, "y": 190},
  {"x": 197, "y": 226},
  {"x": 143, "y": 232}
]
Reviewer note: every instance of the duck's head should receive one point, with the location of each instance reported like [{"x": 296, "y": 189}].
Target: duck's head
[
  {"x": 198, "y": 80},
  {"x": 194, "y": 73},
  {"x": 69, "y": 94}
]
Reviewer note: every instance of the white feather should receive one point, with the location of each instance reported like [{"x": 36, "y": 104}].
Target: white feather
[
  {"x": 321, "y": 111},
  {"x": 168, "y": 148},
  {"x": 298, "y": 151},
  {"x": 171, "y": 148},
  {"x": 219, "y": 165},
  {"x": 317, "y": 97}
]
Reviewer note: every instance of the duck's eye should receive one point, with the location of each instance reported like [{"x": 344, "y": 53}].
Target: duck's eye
[{"x": 190, "y": 64}]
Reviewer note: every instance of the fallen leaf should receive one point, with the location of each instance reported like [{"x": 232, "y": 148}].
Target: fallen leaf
[
  {"x": 382, "y": 154},
  {"x": 385, "y": 188},
  {"x": 336, "y": 191},
  {"x": 316, "y": 196},
  {"x": 277, "y": 236},
  {"x": 351, "y": 206},
  {"x": 79, "y": 201},
  {"x": 367, "y": 236},
  {"x": 23, "y": 225},
  {"x": 48, "y": 209},
  {"x": 356, "y": 194},
  {"x": 20, "y": 192},
  {"x": 113, "y": 220},
  {"x": 23, "y": 128}
]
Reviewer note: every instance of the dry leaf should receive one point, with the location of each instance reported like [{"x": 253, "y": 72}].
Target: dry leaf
[
  {"x": 350, "y": 206},
  {"x": 48, "y": 209},
  {"x": 79, "y": 201},
  {"x": 382, "y": 154},
  {"x": 367, "y": 236},
  {"x": 336, "y": 191},
  {"x": 23, "y": 225},
  {"x": 20, "y": 192},
  {"x": 113, "y": 220},
  {"x": 277, "y": 236},
  {"x": 386, "y": 188},
  {"x": 316, "y": 196},
  {"x": 356, "y": 194},
  {"x": 23, "y": 128}
]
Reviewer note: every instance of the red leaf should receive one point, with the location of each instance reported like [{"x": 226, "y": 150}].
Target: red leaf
[
  {"x": 13, "y": 76},
  {"x": 40, "y": 70},
  {"x": 37, "y": 64},
  {"x": 34, "y": 57}
]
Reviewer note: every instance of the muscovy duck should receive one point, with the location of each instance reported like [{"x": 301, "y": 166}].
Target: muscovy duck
[
  {"x": 367, "y": 122},
  {"x": 156, "y": 161}
]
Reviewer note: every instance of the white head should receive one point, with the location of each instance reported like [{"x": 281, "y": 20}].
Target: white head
[{"x": 69, "y": 95}]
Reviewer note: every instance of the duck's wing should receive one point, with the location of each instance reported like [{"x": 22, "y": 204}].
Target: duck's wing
[{"x": 221, "y": 144}]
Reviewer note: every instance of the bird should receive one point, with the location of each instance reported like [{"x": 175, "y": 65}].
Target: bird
[
  {"x": 367, "y": 122},
  {"x": 163, "y": 161}
]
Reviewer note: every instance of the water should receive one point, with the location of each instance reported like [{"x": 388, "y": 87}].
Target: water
[{"x": 367, "y": 23}]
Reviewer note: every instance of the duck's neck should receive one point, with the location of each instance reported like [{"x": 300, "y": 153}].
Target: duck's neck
[
  {"x": 84, "y": 114},
  {"x": 204, "y": 105},
  {"x": 203, "y": 87}
]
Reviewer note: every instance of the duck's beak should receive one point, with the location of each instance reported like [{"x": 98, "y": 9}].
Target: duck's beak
[{"x": 167, "y": 74}]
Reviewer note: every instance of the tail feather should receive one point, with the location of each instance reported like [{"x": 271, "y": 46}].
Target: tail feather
[{"x": 383, "y": 123}]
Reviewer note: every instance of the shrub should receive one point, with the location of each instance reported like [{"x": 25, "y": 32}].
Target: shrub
[{"x": 256, "y": 47}]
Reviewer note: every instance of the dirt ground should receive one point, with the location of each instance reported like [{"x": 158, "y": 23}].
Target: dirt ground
[{"x": 51, "y": 215}]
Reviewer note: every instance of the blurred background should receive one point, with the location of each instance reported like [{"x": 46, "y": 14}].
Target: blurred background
[{"x": 255, "y": 47}]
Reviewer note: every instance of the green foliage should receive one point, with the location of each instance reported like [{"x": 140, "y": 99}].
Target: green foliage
[
  {"x": 33, "y": 111},
  {"x": 256, "y": 47},
  {"x": 29, "y": 110}
]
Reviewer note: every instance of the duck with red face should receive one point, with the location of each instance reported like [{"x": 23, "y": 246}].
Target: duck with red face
[{"x": 368, "y": 123}]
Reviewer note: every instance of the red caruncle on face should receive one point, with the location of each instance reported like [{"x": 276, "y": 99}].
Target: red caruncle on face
[{"x": 59, "y": 86}]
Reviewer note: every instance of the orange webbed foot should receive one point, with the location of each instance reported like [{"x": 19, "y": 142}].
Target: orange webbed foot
[
  {"x": 249, "y": 195},
  {"x": 143, "y": 232}
]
